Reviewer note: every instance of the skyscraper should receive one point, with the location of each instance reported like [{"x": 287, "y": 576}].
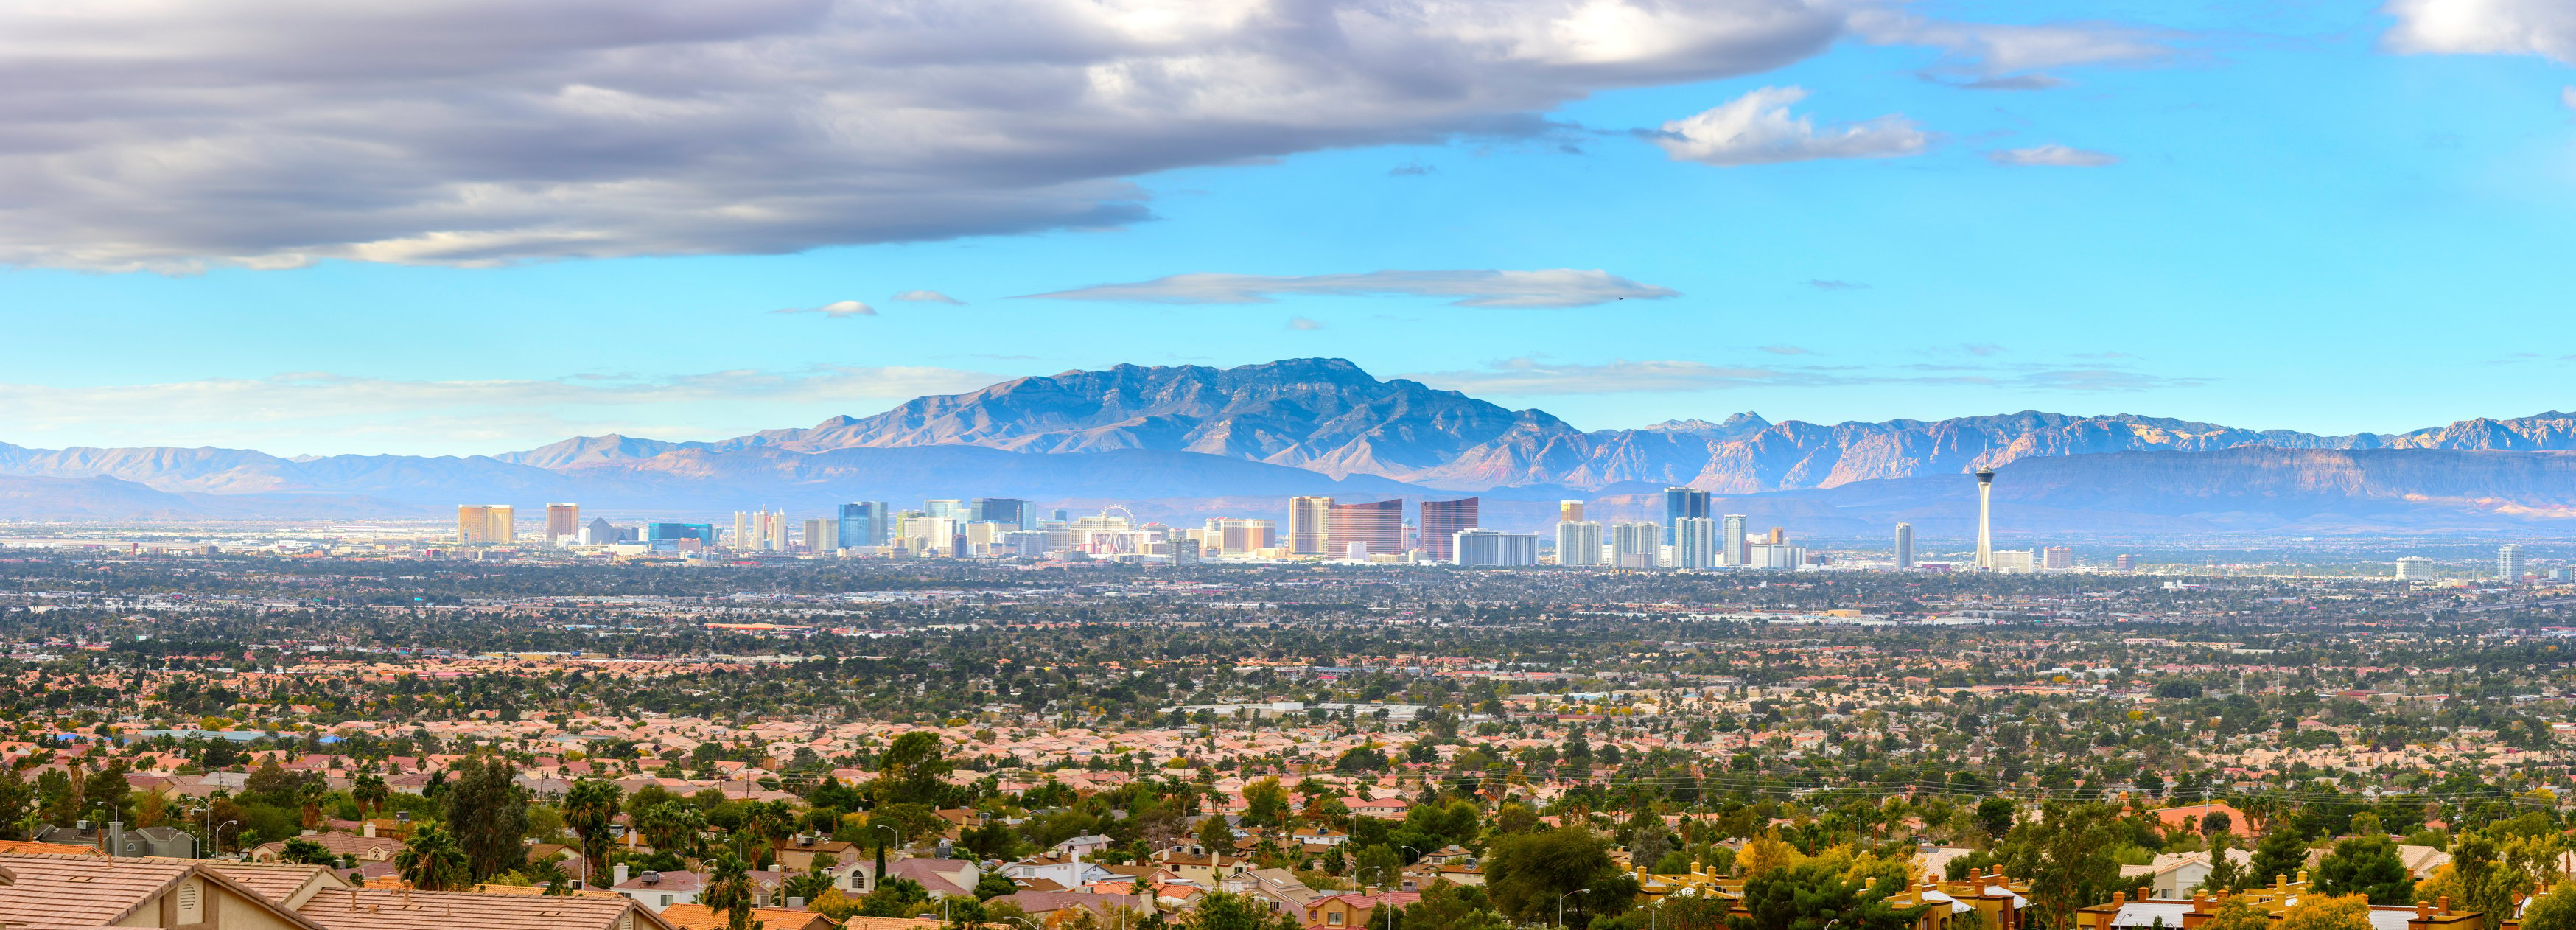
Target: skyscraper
[
  {"x": 485, "y": 525},
  {"x": 562, "y": 520},
  {"x": 1694, "y": 542},
  {"x": 1378, "y": 525},
  {"x": 746, "y": 536},
  {"x": 1494, "y": 549},
  {"x": 1985, "y": 523},
  {"x": 1636, "y": 545},
  {"x": 2125, "y": 562},
  {"x": 1779, "y": 536},
  {"x": 1682, "y": 502},
  {"x": 2414, "y": 568},
  {"x": 1008, "y": 511},
  {"x": 822, "y": 536},
  {"x": 1904, "y": 546},
  {"x": 1730, "y": 540},
  {"x": 1578, "y": 543},
  {"x": 948, "y": 508},
  {"x": 864, "y": 523},
  {"x": 2057, "y": 558},
  {"x": 1309, "y": 525},
  {"x": 1442, "y": 520},
  {"x": 2509, "y": 564},
  {"x": 703, "y": 534},
  {"x": 1568, "y": 511}
]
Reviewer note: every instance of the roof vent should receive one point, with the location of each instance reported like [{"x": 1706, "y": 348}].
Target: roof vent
[{"x": 650, "y": 878}]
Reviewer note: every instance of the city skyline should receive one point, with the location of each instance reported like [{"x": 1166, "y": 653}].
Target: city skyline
[{"x": 1919, "y": 198}]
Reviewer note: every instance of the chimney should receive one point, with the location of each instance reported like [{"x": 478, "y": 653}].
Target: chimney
[
  {"x": 795, "y": 903},
  {"x": 367, "y": 828},
  {"x": 617, "y": 873},
  {"x": 2442, "y": 905},
  {"x": 115, "y": 838}
]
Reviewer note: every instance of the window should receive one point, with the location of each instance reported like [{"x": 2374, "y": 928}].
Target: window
[
  {"x": 666, "y": 900},
  {"x": 1334, "y": 918}
]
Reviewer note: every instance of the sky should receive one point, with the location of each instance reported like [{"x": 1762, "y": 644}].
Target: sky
[{"x": 474, "y": 227}]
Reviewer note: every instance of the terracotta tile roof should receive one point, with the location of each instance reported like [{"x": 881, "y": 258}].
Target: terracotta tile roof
[
  {"x": 285, "y": 884},
  {"x": 31, "y": 846},
  {"x": 892, "y": 923},
  {"x": 380, "y": 909},
  {"x": 702, "y": 917},
  {"x": 97, "y": 891}
]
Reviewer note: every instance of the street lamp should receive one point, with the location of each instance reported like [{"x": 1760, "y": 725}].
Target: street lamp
[
  {"x": 219, "y": 834},
  {"x": 1560, "y": 905}
]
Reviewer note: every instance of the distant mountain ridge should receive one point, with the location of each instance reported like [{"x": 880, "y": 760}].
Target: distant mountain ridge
[
  {"x": 1250, "y": 435},
  {"x": 1329, "y": 416}
]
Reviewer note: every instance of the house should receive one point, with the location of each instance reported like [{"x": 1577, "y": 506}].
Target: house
[
  {"x": 31, "y": 847},
  {"x": 702, "y": 917},
  {"x": 940, "y": 877},
  {"x": 101, "y": 891},
  {"x": 404, "y": 909},
  {"x": 2420, "y": 861},
  {"x": 116, "y": 840},
  {"x": 2172, "y": 817},
  {"x": 656, "y": 890},
  {"x": 799, "y": 851},
  {"x": 2274, "y": 901},
  {"x": 1049, "y": 907},
  {"x": 1352, "y": 910},
  {"x": 2173, "y": 876},
  {"x": 1280, "y": 887},
  {"x": 346, "y": 845},
  {"x": 1319, "y": 837},
  {"x": 1381, "y": 808},
  {"x": 1085, "y": 845},
  {"x": 1066, "y": 873}
]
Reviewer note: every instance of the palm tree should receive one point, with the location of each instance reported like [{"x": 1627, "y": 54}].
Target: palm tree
[
  {"x": 769, "y": 822},
  {"x": 432, "y": 861},
  {"x": 588, "y": 809},
  {"x": 728, "y": 892},
  {"x": 369, "y": 790}
]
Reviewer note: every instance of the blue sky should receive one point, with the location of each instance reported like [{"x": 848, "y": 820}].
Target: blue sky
[{"x": 2277, "y": 219}]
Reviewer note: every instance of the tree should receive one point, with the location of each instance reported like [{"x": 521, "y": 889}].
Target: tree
[
  {"x": 2217, "y": 822},
  {"x": 431, "y": 861},
  {"x": 913, "y": 771},
  {"x": 370, "y": 791},
  {"x": 17, "y": 805},
  {"x": 589, "y": 808},
  {"x": 488, "y": 813},
  {"x": 1267, "y": 805},
  {"x": 1996, "y": 816},
  {"x": 895, "y": 897},
  {"x": 1525, "y": 875},
  {"x": 2281, "y": 854},
  {"x": 2237, "y": 912},
  {"x": 2224, "y": 874},
  {"x": 2553, "y": 911},
  {"x": 2066, "y": 855},
  {"x": 107, "y": 789},
  {"x": 1813, "y": 892},
  {"x": 1377, "y": 864},
  {"x": 302, "y": 851},
  {"x": 670, "y": 825},
  {"x": 1447, "y": 905},
  {"x": 1215, "y": 835},
  {"x": 1224, "y": 910},
  {"x": 2325, "y": 912},
  {"x": 2366, "y": 866},
  {"x": 2476, "y": 879},
  {"x": 729, "y": 891},
  {"x": 993, "y": 885}
]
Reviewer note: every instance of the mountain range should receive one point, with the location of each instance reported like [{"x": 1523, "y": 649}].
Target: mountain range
[{"x": 1189, "y": 440}]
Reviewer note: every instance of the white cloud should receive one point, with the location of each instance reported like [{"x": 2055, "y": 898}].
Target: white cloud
[
  {"x": 927, "y": 297},
  {"x": 2052, "y": 155},
  {"x": 1991, "y": 56},
  {"x": 2567, "y": 96},
  {"x": 2483, "y": 27},
  {"x": 1303, "y": 324},
  {"x": 291, "y": 412},
  {"x": 838, "y": 309},
  {"x": 1549, "y": 287},
  {"x": 1757, "y": 129},
  {"x": 160, "y": 135}
]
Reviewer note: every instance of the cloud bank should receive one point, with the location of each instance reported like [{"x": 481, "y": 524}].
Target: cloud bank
[
  {"x": 151, "y": 135},
  {"x": 1544, "y": 288},
  {"x": 1757, "y": 129},
  {"x": 2052, "y": 155},
  {"x": 837, "y": 309},
  {"x": 2483, "y": 27}
]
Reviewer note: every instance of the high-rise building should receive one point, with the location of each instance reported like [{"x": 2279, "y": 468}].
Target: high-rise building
[
  {"x": 2013, "y": 561},
  {"x": 2057, "y": 558},
  {"x": 1494, "y": 549},
  {"x": 1008, "y": 511},
  {"x": 1730, "y": 540},
  {"x": 822, "y": 535},
  {"x": 1310, "y": 524},
  {"x": 1779, "y": 556},
  {"x": 1578, "y": 543},
  {"x": 1682, "y": 502},
  {"x": 703, "y": 534},
  {"x": 2125, "y": 562},
  {"x": 1985, "y": 523},
  {"x": 1779, "y": 536},
  {"x": 1569, "y": 511},
  {"x": 2509, "y": 564},
  {"x": 1379, "y": 525},
  {"x": 1636, "y": 545},
  {"x": 863, "y": 523},
  {"x": 1904, "y": 546},
  {"x": 562, "y": 520},
  {"x": 947, "y": 508},
  {"x": 2414, "y": 568},
  {"x": 1233, "y": 537},
  {"x": 1694, "y": 542},
  {"x": 485, "y": 525},
  {"x": 746, "y": 534},
  {"x": 1442, "y": 520}
]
